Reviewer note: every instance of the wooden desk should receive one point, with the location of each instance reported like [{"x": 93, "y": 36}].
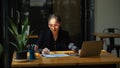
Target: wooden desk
[
  {"x": 105, "y": 35},
  {"x": 105, "y": 58}
]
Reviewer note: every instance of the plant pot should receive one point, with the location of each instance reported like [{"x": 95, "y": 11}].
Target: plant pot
[{"x": 21, "y": 55}]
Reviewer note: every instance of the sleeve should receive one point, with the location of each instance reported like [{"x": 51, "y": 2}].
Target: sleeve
[
  {"x": 40, "y": 40},
  {"x": 70, "y": 44},
  {"x": 73, "y": 47},
  {"x": 66, "y": 40}
]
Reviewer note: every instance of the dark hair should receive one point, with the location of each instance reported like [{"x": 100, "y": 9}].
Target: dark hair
[{"x": 54, "y": 16}]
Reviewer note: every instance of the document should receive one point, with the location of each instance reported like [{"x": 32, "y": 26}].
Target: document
[{"x": 54, "y": 55}]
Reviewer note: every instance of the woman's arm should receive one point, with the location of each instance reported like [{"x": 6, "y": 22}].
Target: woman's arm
[
  {"x": 39, "y": 42},
  {"x": 70, "y": 44}
]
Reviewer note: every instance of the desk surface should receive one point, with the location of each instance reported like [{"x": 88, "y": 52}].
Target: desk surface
[
  {"x": 106, "y": 35},
  {"x": 104, "y": 58}
]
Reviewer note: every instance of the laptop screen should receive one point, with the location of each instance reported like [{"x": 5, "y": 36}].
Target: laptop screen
[{"x": 91, "y": 48}]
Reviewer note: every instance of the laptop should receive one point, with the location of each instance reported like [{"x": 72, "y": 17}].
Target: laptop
[{"x": 91, "y": 48}]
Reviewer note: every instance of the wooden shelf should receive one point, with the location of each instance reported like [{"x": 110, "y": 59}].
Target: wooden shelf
[{"x": 33, "y": 36}]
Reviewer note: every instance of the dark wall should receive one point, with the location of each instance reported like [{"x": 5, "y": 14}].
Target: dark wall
[
  {"x": 1, "y": 35},
  {"x": 38, "y": 16},
  {"x": 70, "y": 12},
  {"x": 77, "y": 17},
  {"x": 38, "y": 19},
  {"x": 5, "y": 33}
]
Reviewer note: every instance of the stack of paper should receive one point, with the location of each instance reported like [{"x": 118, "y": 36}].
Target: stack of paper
[{"x": 54, "y": 55}]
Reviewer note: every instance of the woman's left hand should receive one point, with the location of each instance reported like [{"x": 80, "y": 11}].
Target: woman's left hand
[{"x": 45, "y": 51}]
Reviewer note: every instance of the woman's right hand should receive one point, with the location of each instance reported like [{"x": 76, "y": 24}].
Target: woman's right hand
[
  {"x": 36, "y": 48},
  {"x": 45, "y": 51}
]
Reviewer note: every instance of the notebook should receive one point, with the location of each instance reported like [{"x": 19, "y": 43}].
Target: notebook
[{"x": 91, "y": 48}]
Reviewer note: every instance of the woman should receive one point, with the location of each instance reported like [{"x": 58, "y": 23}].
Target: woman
[{"x": 54, "y": 38}]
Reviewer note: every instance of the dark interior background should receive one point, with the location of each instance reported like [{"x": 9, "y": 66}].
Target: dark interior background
[{"x": 77, "y": 17}]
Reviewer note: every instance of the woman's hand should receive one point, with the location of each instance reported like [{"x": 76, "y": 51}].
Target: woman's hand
[
  {"x": 45, "y": 51},
  {"x": 36, "y": 48}
]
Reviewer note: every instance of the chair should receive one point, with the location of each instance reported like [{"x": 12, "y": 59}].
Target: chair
[{"x": 112, "y": 44}]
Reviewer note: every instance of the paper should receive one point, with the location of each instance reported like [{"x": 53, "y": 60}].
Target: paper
[{"x": 54, "y": 55}]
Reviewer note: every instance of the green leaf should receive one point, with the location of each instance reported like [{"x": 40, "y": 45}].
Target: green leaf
[
  {"x": 11, "y": 31},
  {"x": 14, "y": 45},
  {"x": 24, "y": 29},
  {"x": 13, "y": 27},
  {"x": 32, "y": 32},
  {"x": 25, "y": 26}
]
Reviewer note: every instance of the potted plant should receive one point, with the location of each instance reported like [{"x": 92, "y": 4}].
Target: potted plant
[{"x": 21, "y": 39}]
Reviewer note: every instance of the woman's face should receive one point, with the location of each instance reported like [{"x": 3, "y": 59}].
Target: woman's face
[{"x": 54, "y": 25}]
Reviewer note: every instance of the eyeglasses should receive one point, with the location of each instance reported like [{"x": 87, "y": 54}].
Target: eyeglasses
[{"x": 54, "y": 25}]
